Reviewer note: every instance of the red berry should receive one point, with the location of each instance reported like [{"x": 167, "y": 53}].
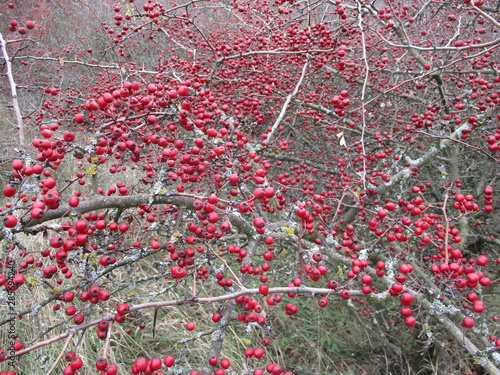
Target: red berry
[
  {"x": 213, "y": 360},
  {"x": 468, "y": 322},
  {"x": 183, "y": 91},
  {"x": 9, "y": 190},
  {"x": 169, "y": 361},
  {"x": 70, "y": 310},
  {"x": 410, "y": 321},
  {"x": 112, "y": 370},
  {"x": 482, "y": 260},
  {"x": 258, "y": 352},
  {"x": 382, "y": 213},
  {"x": 101, "y": 364},
  {"x": 345, "y": 294},
  {"x": 225, "y": 363},
  {"x": 406, "y": 299},
  {"x": 323, "y": 302},
  {"x": 366, "y": 279},
  {"x": 17, "y": 164},
  {"x": 76, "y": 363},
  {"x": 123, "y": 309},
  {"x": 263, "y": 289},
  {"x": 10, "y": 221}
]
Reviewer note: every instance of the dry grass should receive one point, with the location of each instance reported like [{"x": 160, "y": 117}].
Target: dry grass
[{"x": 331, "y": 340}]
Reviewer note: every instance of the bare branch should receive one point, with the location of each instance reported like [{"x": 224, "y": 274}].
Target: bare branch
[{"x": 13, "y": 90}]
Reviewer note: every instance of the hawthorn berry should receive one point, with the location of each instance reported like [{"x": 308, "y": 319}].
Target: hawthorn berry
[
  {"x": 10, "y": 221},
  {"x": 345, "y": 294},
  {"x": 323, "y": 302},
  {"x": 258, "y": 352},
  {"x": 76, "y": 363},
  {"x": 468, "y": 322},
  {"x": 123, "y": 309},
  {"x": 101, "y": 364},
  {"x": 410, "y": 321}
]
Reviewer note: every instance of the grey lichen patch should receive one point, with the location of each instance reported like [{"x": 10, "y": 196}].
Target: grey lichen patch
[{"x": 439, "y": 308}]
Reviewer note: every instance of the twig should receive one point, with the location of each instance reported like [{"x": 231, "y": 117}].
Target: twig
[
  {"x": 83, "y": 63},
  {"x": 363, "y": 90},
  {"x": 287, "y": 103},
  {"x": 447, "y": 229},
  {"x": 13, "y": 90},
  {"x": 108, "y": 339},
  {"x": 486, "y": 15},
  {"x": 238, "y": 281},
  {"x": 338, "y": 207},
  {"x": 218, "y": 338},
  {"x": 451, "y": 48},
  {"x": 60, "y": 354},
  {"x": 271, "y": 52},
  {"x": 461, "y": 142},
  {"x": 183, "y": 301}
]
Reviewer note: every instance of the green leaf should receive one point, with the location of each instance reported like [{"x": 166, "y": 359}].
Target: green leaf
[{"x": 246, "y": 341}]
